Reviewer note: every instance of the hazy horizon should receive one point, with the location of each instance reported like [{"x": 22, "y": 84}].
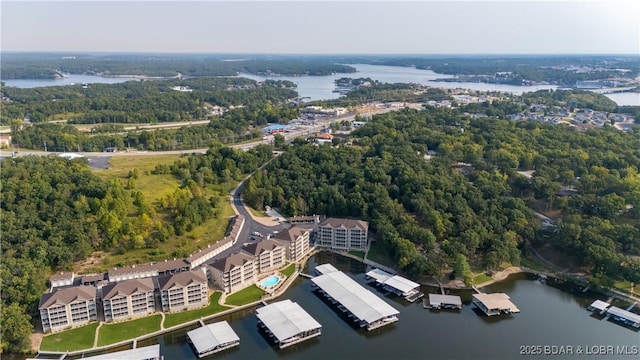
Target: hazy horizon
[{"x": 418, "y": 28}]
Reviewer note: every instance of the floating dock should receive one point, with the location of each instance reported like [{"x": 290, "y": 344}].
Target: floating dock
[
  {"x": 625, "y": 317},
  {"x": 325, "y": 269},
  {"x": 437, "y": 302},
  {"x": 396, "y": 284},
  {"x": 287, "y": 323},
  {"x": 351, "y": 298},
  {"x": 494, "y": 304},
  {"x": 599, "y": 305},
  {"x": 213, "y": 338}
]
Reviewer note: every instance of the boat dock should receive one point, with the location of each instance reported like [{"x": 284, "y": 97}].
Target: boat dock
[
  {"x": 359, "y": 304},
  {"x": 305, "y": 275},
  {"x": 396, "y": 284},
  {"x": 212, "y": 338},
  {"x": 624, "y": 317},
  {"x": 286, "y": 323},
  {"x": 325, "y": 269},
  {"x": 494, "y": 304},
  {"x": 437, "y": 302},
  {"x": 599, "y": 305}
]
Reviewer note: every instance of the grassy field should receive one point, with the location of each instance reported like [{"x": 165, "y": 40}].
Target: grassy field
[
  {"x": 379, "y": 255},
  {"x": 113, "y": 333},
  {"x": 245, "y": 296},
  {"x": 70, "y": 340},
  {"x": 481, "y": 277},
  {"x": 155, "y": 187},
  {"x": 182, "y": 317},
  {"x": 288, "y": 271},
  {"x": 626, "y": 286},
  {"x": 359, "y": 254},
  {"x": 257, "y": 213}
]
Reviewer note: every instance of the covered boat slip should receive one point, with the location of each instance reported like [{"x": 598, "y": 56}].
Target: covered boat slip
[
  {"x": 287, "y": 323},
  {"x": 396, "y": 284},
  {"x": 494, "y": 304},
  {"x": 624, "y": 316},
  {"x": 598, "y": 305},
  {"x": 213, "y": 338},
  {"x": 362, "y": 305},
  {"x": 437, "y": 302},
  {"x": 325, "y": 269}
]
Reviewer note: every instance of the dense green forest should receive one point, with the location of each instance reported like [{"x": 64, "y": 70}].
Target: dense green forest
[
  {"x": 138, "y": 101},
  {"x": 481, "y": 210},
  {"x": 56, "y": 211},
  {"x": 42, "y": 66}
]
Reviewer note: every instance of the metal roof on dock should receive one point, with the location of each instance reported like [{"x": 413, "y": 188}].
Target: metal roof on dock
[
  {"x": 325, "y": 269},
  {"x": 445, "y": 299},
  {"x": 600, "y": 305},
  {"x": 286, "y": 319},
  {"x": 361, "y": 302},
  {"x": 142, "y": 353},
  {"x": 628, "y": 315},
  {"x": 211, "y": 336},
  {"x": 498, "y": 301}
]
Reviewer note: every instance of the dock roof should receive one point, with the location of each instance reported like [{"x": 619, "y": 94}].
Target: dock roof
[
  {"x": 326, "y": 268},
  {"x": 445, "y": 299},
  {"x": 400, "y": 283},
  {"x": 600, "y": 305},
  {"x": 380, "y": 275},
  {"x": 141, "y": 353},
  {"x": 211, "y": 336},
  {"x": 498, "y": 301},
  {"x": 286, "y": 319},
  {"x": 361, "y": 302},
  {"x": 614, "y": 310}
]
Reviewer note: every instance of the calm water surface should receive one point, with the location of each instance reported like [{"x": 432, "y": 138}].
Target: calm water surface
[
  {"x": 549, "y": 316},
  {"x": 626, "y": 98}
]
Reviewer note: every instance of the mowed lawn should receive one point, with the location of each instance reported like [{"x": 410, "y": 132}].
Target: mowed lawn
[
  {"x": 185, "y": 316},
  {"x": 289, "y": 270},
  {"x": 245, "y": 296},
  {"x": 70, "y": 340},
  {"x": 113, "y": 333}
]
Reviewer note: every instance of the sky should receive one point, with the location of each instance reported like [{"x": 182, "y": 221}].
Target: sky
[{"x": 323, "y": 27}]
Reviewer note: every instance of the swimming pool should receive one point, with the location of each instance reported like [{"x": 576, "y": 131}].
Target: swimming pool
[{"x": 270, "y": 281}]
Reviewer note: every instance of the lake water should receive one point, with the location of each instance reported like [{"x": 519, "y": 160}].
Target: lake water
[
  {"x": 625, "y": 98},
  {"x": 548, "y": 317},
  {"x": 321, "y": 87}
]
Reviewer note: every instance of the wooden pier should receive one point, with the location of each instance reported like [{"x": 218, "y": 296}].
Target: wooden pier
[{"x": 306, "y": 275}]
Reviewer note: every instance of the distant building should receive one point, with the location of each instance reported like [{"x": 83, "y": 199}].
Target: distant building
[
  {"x": 234, "y": 272},
  {"x": 184, "y": 290},
  {"x": 147, "y": 270},
  {"x": 68, "y": 307},
  {"x": 269, "y": 255},
  {"x": 181, "y": 88},
  {"x": 61, "y": 279},
  {"x": 5, "y": 141},
  {"x": 297, "y": 241},
  {"x": 128, "y": 299},
  {"x": 342, "y": 234}
]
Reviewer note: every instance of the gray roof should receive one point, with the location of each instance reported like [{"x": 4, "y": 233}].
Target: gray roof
[
  {"x": 445, "y": 299},
  {"x": 380, "y": 275},
  {"x": 181, "y": 279},
  {"x": 68, "y": 295},
  {"x": 346, "y": 223},
  {"x": 400, "y": 283},
  {"x": 142, "y": 353},
  {"x": 127, "y": 287},
  {"x": 361, "y": 302},
  {"x": 163, "y": 266},
  {"x": 232, "y": 261},
  {"x": 600, "y": 305},
  {"x": 326, "y": 268},
  {"x": 291, "y": 234},
  {"x": 208, "y": 249},
  {"x": 286, "y": 319},
  {"x": 635, "y": 318},
  {"x": 496, "y": 301},
  {"x": 91, "y": 278},
  {"x": 260, "y": 247},
  {"x": 211, "y": 336},
  {"x": 62, "y": 276}
]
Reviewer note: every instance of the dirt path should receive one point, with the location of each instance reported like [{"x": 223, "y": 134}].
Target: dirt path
[{"x": 36, "y": 340}]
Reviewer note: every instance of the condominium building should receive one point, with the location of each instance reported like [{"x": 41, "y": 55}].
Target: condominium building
[
  {"x": 128, "y": 299},
  {"x": 67, "y": 307},
  {"x": 234, "y": 272},
  {"x": 183, "y": 290},
  {"x": 342, "y": 234},
  {"x": 269, "y": 255},
  {"x": 296, "y": 240}
]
